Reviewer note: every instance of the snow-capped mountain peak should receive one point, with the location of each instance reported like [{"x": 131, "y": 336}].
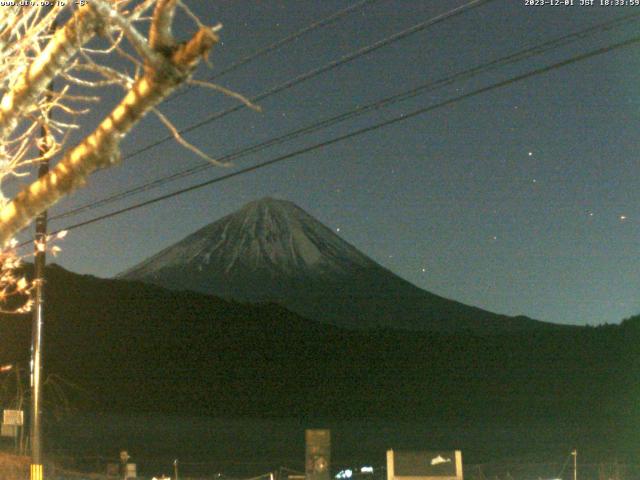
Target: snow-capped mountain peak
[
  {"x": 273, "y": 251},
  {"x": 268, "y": 235}
]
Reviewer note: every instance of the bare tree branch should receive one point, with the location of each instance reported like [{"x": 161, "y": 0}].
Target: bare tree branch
[
  {"x": 176, "y": 135},
  {"x": 35, "y": 79},
  {"x": 173, "y": 64}
]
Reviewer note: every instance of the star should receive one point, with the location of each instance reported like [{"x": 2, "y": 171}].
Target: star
[
  {"x": 424, "y": 270},
  {"x": 530, "y": 154}
]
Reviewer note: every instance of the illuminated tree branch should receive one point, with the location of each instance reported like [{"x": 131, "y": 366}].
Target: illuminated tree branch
[
  {"x": 167, "y": 64},
  {"x": 38, "y": 75}
]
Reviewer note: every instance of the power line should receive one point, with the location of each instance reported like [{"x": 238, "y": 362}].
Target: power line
[
  {"x": 320, "y": 70},
  {"x": 274, "y": 46},
  {"x": 315, "y": 72},
  {"x": 361, "y": 131},
  {"x": 429, "y": 86},
  {"x": 282, "y": 42}
]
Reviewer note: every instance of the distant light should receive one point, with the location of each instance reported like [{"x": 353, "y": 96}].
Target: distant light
[
  {"x": 623, "y": 218},
  {"x": 366, "y": 470},
  {"x": 348, "y": 473},
  {"x": 530, "y": 154},
  {"x": 338, "y": 229}
]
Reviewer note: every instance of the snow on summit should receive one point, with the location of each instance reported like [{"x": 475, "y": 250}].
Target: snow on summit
[{"x": 265, "y": 235}]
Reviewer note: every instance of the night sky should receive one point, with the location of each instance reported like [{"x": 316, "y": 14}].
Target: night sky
[{"x": 521, "y": 200}]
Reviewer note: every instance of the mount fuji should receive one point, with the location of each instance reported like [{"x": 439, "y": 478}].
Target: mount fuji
[{"x": 273, "y": 251}]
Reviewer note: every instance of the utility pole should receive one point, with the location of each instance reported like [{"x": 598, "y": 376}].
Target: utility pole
[
  {"x": 35, "y": 434},
  {"x": 575, "y": 463}
]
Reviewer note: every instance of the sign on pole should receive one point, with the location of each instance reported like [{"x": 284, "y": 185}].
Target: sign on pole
[
  {"x": 9, "y": 430},
  {"x": 13, "y": 417}
]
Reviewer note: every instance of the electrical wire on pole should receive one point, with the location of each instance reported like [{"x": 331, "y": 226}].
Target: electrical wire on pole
[
  {"x": 419, "y": 27},
  {"x": 324, "y": 123},
  {"x": 355, "y": 133},
  {"x": 280, "y": 43}
]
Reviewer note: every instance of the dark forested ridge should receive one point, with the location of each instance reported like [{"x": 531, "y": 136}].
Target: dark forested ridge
[{"x": 140, "y": 348}]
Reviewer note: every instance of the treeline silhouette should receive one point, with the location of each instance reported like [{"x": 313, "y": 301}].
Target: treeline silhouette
[{"x": 138, "y": 348}]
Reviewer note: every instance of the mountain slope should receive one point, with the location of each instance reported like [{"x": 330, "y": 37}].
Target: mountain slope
[
  {"x": 128, "y": 345},
  {"x": 134, "y": 347},
  {"x": 273, "y": 251}
]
